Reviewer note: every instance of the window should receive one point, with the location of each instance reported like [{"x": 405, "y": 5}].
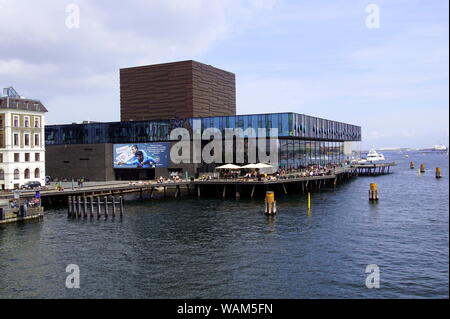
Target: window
[
  {"x": 27, "y": 139},
  {"x": 16, "y": 121},
  {"x": 37, "y": 122},
  {"x": 16, "y": 157},
  {"x": 16, "y": 139},
  {"x": 27, "y": 157},
  {"x": 36, "y": 140},
  {"x": 37, "y": 157},
  {"x": 2, "y": 174},
  {"x": 27, "y": 173},
  {"x": 16, "y": 174},
  {"x": 1, "y": 157},
  {"x": 37, "y": 173},
  {"x": 27, "y": 121}
]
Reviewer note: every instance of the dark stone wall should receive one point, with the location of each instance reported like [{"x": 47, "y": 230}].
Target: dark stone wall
[{"x": 92, "y": 161}]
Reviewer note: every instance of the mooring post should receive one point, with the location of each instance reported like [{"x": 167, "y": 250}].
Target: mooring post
[
  {"x": 224, "y": 191},
  {"x": 309, "y": 200},
  {"x": 253, "y": 191},
  {"x": 238, "y": 191},
  {"x": 438, "y": 172},
  {"x": 422, "y": 168},
  {"x": 270, "y": 204},
  {"x": 373, "y": 192}
]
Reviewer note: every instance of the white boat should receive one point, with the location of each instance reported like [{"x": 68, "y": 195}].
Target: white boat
[
  {"x": 372, "y": 156},
  {"x": 440, "y": 148}
]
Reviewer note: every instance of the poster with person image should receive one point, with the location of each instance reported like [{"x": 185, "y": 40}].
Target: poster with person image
[{"x": 141, "y": 155}]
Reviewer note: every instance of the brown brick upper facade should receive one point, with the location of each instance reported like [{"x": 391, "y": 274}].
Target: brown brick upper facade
[{"x": 176, "y": 90}]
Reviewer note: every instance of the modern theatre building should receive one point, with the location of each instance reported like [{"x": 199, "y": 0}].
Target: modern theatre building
[{"x": 157, "y": 99}]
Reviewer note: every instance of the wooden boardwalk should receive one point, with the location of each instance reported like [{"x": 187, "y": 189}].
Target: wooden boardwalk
[
  {"x": 220, "y": 187},
  {"x": 374, "y": 169}
]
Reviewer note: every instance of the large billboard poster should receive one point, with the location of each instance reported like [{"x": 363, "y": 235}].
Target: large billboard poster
[{"x": 145, "y": 155}]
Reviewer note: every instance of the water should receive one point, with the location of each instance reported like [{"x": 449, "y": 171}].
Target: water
[{"x": 228, "y": 249}]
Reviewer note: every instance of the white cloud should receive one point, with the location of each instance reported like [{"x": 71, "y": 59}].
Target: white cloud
[{"x": 36, "y": 44}]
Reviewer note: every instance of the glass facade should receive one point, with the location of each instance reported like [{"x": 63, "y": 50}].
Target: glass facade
[
  {"x": 288, "y": 125},
  {"x": 303, "y": 139}
]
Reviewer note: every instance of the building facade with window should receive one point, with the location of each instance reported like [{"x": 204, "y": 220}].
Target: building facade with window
[
  {"x": 87, "y": 149},
  {"x": 156, "y": 99},
  {"x": 22, "y": 147}
]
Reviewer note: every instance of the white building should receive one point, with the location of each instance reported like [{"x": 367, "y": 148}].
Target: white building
[{"x": 22, "y": 144}]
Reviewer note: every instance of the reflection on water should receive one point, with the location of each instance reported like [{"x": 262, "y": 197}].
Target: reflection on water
[{"x": 229, "y": 249}]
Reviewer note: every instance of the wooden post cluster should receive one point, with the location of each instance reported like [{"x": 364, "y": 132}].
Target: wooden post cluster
[{"x": 77, "y": 206}]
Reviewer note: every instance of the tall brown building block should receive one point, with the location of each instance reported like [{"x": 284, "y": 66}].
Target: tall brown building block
[{"x": 176, "y": 90}]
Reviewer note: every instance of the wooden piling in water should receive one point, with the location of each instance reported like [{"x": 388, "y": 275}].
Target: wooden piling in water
[
  {"x": 84, "y": 206},
  {"x": 113, "y": 198},
  {"x": 78, "y": 206},
  {"x": 121, "y": 206},
  {"x": 98, "y": 207},
  {"x": 106, "y": 206},
  {"x": 373, "y": 192},
  {"x": 422, "y": 168},
  {"x": 69, "y": 206},
  {"x": 91, "y": 206},
  {"x": 270, "y": 204}
]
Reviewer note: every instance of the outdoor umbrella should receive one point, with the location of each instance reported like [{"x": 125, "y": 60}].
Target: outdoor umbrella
[
  {"x": 228, "y": 166},
  {"x": 251, "y": 166}
]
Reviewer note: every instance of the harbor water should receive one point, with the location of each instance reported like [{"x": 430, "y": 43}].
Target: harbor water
[{"x": 214, "y": 248}]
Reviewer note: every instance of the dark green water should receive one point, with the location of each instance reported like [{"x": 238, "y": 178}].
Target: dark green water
[{"x": 229, "y": 249}]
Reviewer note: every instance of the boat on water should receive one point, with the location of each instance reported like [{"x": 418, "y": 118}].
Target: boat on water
[
  {"x": 372, "y": 157},
  {"x": 435, "y": 149},
  {"x": 440, "y": 148}
]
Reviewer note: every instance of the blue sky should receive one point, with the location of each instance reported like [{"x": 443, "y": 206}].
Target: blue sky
[{"x": 312, "y": 57}]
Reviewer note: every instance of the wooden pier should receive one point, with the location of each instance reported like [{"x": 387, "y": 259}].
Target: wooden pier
[
  {"x": 374, "y": 169},
  {"x": 80, "y": 206},
  {"x": 107, "y": 199}
]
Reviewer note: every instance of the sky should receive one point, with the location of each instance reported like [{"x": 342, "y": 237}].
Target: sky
[{"x": 386, "y": 70}]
